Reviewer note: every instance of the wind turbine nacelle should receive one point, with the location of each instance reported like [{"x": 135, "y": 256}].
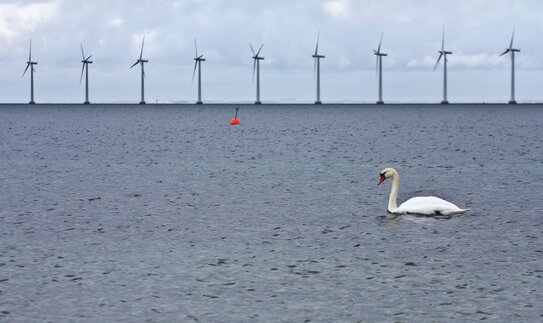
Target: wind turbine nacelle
[{"x": 144, "y": 60}]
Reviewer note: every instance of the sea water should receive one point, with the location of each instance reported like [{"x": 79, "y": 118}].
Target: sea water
[{"x": 167, "y": 213}]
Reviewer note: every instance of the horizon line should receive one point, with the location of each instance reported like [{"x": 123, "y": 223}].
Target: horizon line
[{"x": 271, "y": 103}]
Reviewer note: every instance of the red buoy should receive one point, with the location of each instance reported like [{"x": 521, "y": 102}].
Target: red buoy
[{"x": 235, "y": 121}]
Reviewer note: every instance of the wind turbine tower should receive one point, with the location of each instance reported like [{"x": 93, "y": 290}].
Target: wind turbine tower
[
  {"x": 317, "y": 68},
  {"x": 31, "y": 64},
  {"x": 379, "y": 65},
  {"x": 512, "y": 51},
  {"x": 85, "y": 68},
  {"x": 443, "y": 53},
  {"x": 198, "y": 62},
  {"x": 141, "y": 61},
  {"x": 256, "y": 64}
]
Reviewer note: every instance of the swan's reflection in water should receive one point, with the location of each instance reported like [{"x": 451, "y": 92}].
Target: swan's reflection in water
[{"x": 391, "y": 219}]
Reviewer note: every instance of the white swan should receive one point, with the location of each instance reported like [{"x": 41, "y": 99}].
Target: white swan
[{"x": 424, "y": 205}]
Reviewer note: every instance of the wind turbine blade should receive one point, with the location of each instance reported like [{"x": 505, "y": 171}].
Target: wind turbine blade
[
  {"x": 252, "y": 50},
  {"x": 194, "y": 72},
  {"x": 376, "y": 65},
  {"x": 443, "y": 39},
  {"x": 506, "y": 51},
  {"x": 315, "y": 66},
  {"x": 512, "y": 37},
  {"x": 30, "y": 51},
  {"x": 88, "y": 58},
  {"x": 254, "y": 70},
  {"x": 27, "y": 65},
  {"x": 438, "y": 59},
  {"x": 195, "y": 48},
  {"x": 82, "y": 69},
  {"x": 143, "y": 42},
  {"x": 82, "y": 52},
  {"x": 136, "y": 63},
  {"x": 317, "y": 47},
  {"x": 259, "y": 49},
  {"x": 380, "y": 40}
]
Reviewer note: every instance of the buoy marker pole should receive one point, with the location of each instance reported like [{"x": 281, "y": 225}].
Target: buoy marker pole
[{"x": 235, "y": 121}]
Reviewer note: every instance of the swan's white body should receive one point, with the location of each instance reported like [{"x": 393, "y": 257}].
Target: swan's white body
[{"x": 424, "y": 205}]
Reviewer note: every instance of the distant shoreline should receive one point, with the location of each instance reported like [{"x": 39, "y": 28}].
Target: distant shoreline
[{"x": 273, "y": 104}]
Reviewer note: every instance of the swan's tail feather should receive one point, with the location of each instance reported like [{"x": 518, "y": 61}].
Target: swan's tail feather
[{"x": 459, "y": 211}]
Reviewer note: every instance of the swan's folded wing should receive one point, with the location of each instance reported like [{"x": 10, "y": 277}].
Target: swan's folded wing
[{"x": 427, "y": 205}]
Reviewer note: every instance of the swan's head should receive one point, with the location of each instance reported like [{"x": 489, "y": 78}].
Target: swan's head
[{"x": 386, "y": 173}]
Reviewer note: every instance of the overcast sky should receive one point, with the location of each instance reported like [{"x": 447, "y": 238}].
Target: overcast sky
[{"x": 477, "y": 31}]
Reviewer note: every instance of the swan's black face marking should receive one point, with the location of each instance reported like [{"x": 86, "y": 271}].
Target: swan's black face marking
[{"x": 381, "y": 179}]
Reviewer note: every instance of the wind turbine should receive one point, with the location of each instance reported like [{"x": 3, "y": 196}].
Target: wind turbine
[
  {"x": 379, "y": 66},
  {"x": 512, "y": 51},
  {"x": 256, "y": 64},
  {"x": 317, "y": 67},
  {"x": 85, "y": 68},
  {"x": 443, "y": 53},
  {"x": 30, "y": 64},
  {"x": 198, "y": 62},
  {"x": 142, "y": 62}
]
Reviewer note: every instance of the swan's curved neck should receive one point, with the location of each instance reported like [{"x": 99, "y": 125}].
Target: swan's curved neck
[{"x": 392, "y": 205}]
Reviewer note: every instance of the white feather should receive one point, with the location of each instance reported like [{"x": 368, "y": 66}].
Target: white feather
[{"x": 424, "y": 205}]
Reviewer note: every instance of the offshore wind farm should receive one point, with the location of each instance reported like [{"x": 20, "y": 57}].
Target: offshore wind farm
[
  {"x": 85, "y": 68},
  {"x": 475, "y": 73},
  {"x": 512, "y": 51},
  {"x": 198, "y": 59},
  {"x": 256, "y": 69},
  {"x": 256, "y": 74},
  {"x": 443, "y": 53},
  {"x": 379, "y": 67},
  {"x": 30, "y": 64},
  {"x": 142, "y": 62},
  {"x": 317, "y": 58}
]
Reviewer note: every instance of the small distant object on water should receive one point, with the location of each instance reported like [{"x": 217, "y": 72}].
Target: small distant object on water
[{"x": 235, "y": 121}]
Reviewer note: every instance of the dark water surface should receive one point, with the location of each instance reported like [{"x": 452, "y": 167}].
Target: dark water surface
[{"x": 168, "y": 213}]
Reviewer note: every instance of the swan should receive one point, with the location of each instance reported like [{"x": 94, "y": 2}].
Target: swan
[{"x": 424, "y": 205}]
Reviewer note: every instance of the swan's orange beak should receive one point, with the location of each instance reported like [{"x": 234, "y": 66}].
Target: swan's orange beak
[{"x": 382, "y": 179}]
